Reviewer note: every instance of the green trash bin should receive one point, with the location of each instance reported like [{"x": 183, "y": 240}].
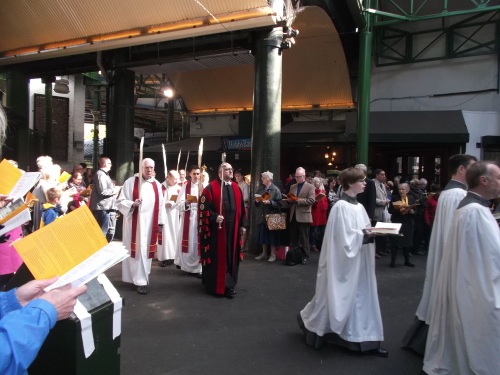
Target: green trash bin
[{"x": 62, "y": 352}]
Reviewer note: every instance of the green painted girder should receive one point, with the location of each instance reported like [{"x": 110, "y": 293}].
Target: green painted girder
[
  {"x": 473, "y": 36},
  {"x": 412, "y": 11}
]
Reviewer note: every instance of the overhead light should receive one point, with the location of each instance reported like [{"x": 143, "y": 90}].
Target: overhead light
[
  {"x": 61, "y": 86},
  {"x": 168, "y": 92}
]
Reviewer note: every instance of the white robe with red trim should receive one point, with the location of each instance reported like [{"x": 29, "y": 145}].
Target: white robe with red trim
[
  {"x": 188, "y": 261},
  {"x": 136, "y": 270},
  {"x": 168, "y": 248}
]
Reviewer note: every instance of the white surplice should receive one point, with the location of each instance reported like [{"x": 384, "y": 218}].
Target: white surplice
[
  {"x": 136, "y": 270},
  {"x": 189, "y": 261},
  {"x": 464, "y": 327},
  {"x": 447, "y": 204},
  {"x": 171, "y": 226},
  {"x": 346, "y": 300}
]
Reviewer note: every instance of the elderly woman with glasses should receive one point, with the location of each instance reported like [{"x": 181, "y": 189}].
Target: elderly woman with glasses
[{"x": 267, "y": 202}]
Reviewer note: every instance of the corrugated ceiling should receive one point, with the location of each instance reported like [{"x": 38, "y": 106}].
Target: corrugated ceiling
[
  {"x": 315, "y": 74},
  {"x": 28, "y": 23}
]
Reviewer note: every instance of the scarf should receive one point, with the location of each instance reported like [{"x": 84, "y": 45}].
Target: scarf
[{"x": 135, "y": 216}]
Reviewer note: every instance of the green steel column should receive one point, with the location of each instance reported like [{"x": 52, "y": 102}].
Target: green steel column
[
  {"x": 266, "y": 124},
  {"x": 48, "y": 114},
  {"x": 365, "y": 51},
  {"x": 18, "y": 102},
  {"x": 120, "y": 125}
]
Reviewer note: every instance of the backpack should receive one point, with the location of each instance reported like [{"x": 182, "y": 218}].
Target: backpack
[{"x": 293, "y": 257}]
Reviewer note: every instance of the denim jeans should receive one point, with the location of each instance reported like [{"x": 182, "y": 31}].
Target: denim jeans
[{"x": 102, "y": 218}]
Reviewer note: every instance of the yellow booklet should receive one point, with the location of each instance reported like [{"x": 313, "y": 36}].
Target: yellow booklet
[
  {"x": 16, "y": 207},
  {"x": 13, "y": 182},
  {"x": 72, "y": 247},
  {"x": 265, "y": 195},
  {"x": 64, "y": 177}
]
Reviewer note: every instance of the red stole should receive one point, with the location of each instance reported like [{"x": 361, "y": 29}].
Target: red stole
[
  {"x": 221, "y": 233},
  {"x": 185, "y": 229},
  {"x": 135, "y": 216}
]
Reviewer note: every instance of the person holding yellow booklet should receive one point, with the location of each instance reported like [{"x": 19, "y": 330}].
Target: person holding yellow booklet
[{"x": 27, "y": 313}]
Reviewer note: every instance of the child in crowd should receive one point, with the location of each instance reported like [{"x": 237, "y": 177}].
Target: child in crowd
[{"x": 52, "y": 208}]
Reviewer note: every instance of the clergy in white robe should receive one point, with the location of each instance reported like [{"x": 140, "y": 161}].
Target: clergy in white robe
[
  {"x": 140, "y": 231},
  {"x": 464, "y": 318},
  {"x": 345, "y": 308},
  {"x": 453, "y": 193},
  {"x": 167, "y": 243},
  {"x": 187, "y": 257}
]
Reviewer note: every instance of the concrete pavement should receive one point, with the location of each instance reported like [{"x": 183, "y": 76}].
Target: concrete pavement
[{"x": 179, "y": 329}]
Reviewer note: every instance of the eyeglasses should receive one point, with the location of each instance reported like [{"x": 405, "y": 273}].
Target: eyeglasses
[
  {"x": 299, "y": 176},
  {"x": 229, "y": 169}
]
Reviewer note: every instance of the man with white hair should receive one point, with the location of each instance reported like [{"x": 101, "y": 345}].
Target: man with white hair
[
  {"x": 140, "y": 203},
  {"x": 301, "y": 214}
]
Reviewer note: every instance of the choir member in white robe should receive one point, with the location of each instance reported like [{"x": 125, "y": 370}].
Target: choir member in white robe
[
  {"x": 453, "y": 193},
  {"x": 345, "y": 309},
  {"x": 167, "y": 246},
  {"x": 187, "y": 257},
  {"x": 464, "y": 326},
  {"x": 140, "y": 231}
]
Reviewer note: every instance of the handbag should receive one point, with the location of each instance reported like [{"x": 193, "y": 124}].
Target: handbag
[{"x": 276, "y": 221}]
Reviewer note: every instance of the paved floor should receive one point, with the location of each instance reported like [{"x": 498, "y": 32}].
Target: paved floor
[{"x": 179, "y": 329}]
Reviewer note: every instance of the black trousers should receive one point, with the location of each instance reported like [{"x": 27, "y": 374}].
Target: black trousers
[{"x": 299, "y": 236}]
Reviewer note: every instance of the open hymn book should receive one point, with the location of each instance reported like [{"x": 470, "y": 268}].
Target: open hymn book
[
  {"x": 72, "y": 247},
  {"x": 386, "y": 228}
]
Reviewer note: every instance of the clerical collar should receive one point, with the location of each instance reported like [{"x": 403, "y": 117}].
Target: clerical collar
[
  {"x": 348, "y": 198},
  {"x": 472, "y": 197},
  {"x": 227, "y": 183},
  {"x": 454, "y": 184},
  {"x": 104, "y": 171}
]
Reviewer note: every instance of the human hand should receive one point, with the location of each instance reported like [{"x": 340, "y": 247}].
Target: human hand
[
  {"x": 32, "y": 289},
  {"x": 219, "y": 219},
  {"x": 4, "y": 201},
  {"x": 243, "y": 231},
  {"x": 64, "y": 299},
  {"x": 137, "y": 203}
]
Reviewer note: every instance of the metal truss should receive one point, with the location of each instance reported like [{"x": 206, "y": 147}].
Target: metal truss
[{"x": 426, "y": 30}]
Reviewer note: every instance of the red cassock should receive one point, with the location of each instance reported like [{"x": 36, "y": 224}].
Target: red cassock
[{"x": 220, "y": 249}]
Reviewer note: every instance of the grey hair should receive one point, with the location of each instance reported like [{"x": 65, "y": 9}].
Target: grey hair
[
  {"x": 362, "y": 167},
  {"x": 147, "y": 159},
  {"x": 405, "y": 185},
  {"x": 268, "y": 174},
  {"x": 174, "y": 173},
  {"x": 315, "y": 180},
  {"x": 414, "y": 182}
]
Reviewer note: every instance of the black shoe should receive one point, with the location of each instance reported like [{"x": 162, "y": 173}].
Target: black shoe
[
  {"x": 408, "y": 264},
  {"x": 178, "y": 267},
  {"x": 142, "y": 289},
  {"x": 380, "y": 352},
  {"x": 163, "y": 263},
  {"x": 305, "y": 261},
  {"x": 230, "y": 293},
  {"x": 198, "y": 275}
]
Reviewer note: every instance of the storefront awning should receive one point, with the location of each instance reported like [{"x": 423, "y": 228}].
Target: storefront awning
[{"x": 412, "y": 127}]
